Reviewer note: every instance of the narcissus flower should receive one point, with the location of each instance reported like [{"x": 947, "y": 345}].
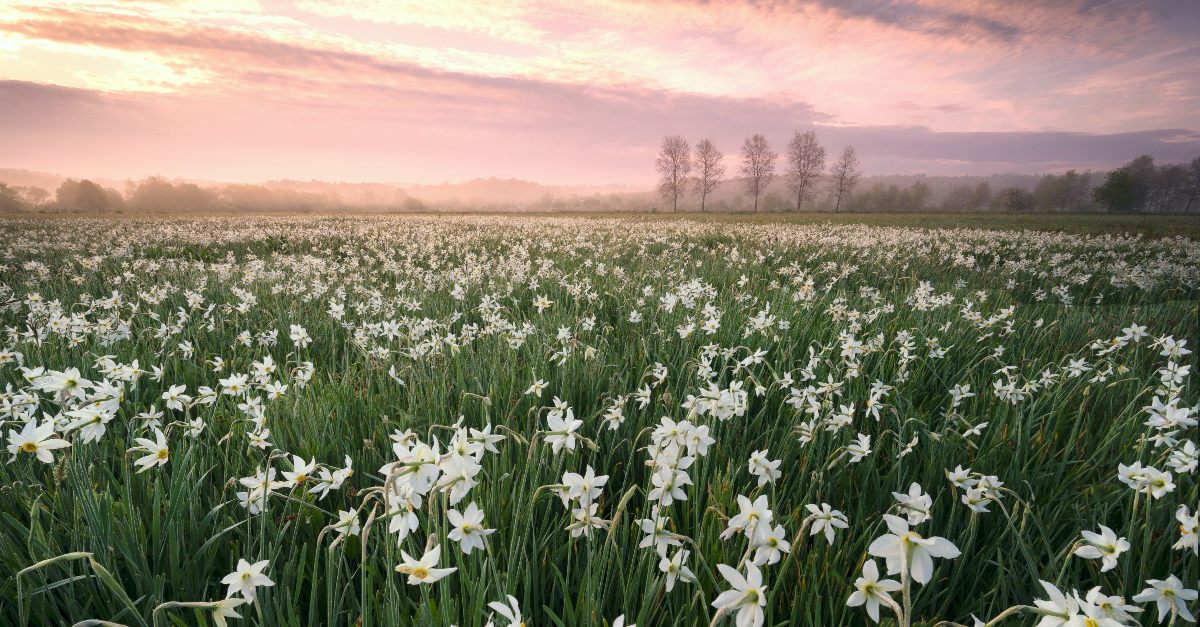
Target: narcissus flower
[
  {"x": 246, "y": 578},
  {"x": 36, "y": 439},
  {"x": 423, "y": 570},
  {"x": 747, "y": 597},
  {"x": 906, "y": 550}
]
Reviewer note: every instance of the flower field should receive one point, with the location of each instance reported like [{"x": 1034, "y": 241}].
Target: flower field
[{"x": 397, "y": 420}]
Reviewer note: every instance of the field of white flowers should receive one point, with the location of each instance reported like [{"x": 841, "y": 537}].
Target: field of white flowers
[{"x": 564, "y": 421}]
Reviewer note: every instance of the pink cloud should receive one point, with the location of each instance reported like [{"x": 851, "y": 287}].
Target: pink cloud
[{"x": 590, "y": 88}]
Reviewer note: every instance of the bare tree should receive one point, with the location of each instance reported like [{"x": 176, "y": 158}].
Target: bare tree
[
  {"x": 709, "y": 169},
  {"x": 844, "y": 176},
  {"x": 673, "y": 164},
  {"x": 806, "y": 163},
  {"x": 1195, "y": 171},
  {"x": 36, "y": 196},
  {"x": 758, "y": 165}
]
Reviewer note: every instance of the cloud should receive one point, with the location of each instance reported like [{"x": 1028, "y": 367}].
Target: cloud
[
  {"x": 37, "y": 107},
  {"x": 933, "y": 20},
  {"x": 565, "y": 92},
  {"x": 498, "y": 127}
]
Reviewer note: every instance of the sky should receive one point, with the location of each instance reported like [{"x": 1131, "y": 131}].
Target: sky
[{"x": 581, "y": 92}]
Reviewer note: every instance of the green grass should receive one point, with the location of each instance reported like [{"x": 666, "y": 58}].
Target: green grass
[
  {"x": 1148, "y": 225},
  {"x": 1154, "y": 226},
  {"x": 170, "y": 534}
]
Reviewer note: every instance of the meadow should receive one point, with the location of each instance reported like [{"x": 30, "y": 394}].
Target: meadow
[{"x": 464, "y": 420}]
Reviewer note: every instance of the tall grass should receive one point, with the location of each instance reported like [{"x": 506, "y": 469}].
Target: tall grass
[{"x": 87, "y": 537}]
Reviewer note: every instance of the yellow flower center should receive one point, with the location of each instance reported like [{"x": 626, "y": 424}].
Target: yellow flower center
[
  {"x": 420, "y": 572},
  {"x": 29, "y": 447},
  {"x": 163, "y": 454}
]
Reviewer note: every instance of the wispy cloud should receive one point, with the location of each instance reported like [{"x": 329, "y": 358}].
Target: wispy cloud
[{"x": 563, "y": 91}]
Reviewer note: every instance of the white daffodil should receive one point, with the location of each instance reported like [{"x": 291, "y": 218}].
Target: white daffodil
[
  {"x": 870, "y": 591},
  {"x": 906, "y": 551},
  {"x": 747, "y": 595},
  {"x": 246, "y": 578},
  {"x": 423, "y": 570},
  {"x": 37, "y": 440},
  {"x": 1104, "y": 546}
]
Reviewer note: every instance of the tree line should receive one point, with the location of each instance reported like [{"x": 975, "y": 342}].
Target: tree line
[
  {"x": 804, "y": 157},
  {"x": 158, "y": 194},
  {"x": 1139, "y": 186}
]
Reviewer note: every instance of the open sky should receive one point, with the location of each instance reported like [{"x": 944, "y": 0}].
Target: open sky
[{"x": 582, "y": 91}]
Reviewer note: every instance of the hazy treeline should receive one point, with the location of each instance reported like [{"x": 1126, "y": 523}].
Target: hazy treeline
[
  {"x": 801, "y": 179},
  {"x": 157, "y": 194},
  {"x": 47, "y": 193},
  {"x": 692, "y": 178}
]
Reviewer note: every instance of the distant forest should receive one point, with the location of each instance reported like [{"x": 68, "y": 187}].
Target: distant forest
[
  {"x": 1140, "y": 186},
  {"x": 800, "y": 179}
]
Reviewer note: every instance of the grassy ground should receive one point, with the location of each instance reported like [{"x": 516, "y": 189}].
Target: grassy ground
[
  {"x": 1097, "y": 224},
  {"x": 450, "y": 306}
]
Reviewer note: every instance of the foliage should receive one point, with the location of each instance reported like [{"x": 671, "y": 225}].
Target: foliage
[{"x": 341, "y": 345}]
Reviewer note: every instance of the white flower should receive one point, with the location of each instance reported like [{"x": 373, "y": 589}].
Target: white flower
[
  {"x": 1104, "y": 545},
  {"x": 468, "y": 530},
  {"x": 224, "y": 609},
  {"x": 1189, "y": 530},
  {"x": 561, "y": 431},
  {"x": 675, "y": 568},
  {"x": 156, "y": 451},
  {"x": 245, "y": 578},
  {"x": 903, "y": 549},
  {"x": 770, "y": 544},
  {"x": 766, "y": 470},
  {"x": 1169, "y": 596},
  {"x": 825, "y": 519},
  {"x": 916, "y": 504},
  {"x": 36, "y": 439},
  {"x": 860, "y": 448},
  {"x": 869, "y": 590},
  {"x": 1058, "y": 610},
  {"x": 960, "y": 477},
  {"x": 751, "y": 515},
  {"x": 511, "y": 612},
  {"x": 423, "y": 570},
  {"x": 586, "y": 487},
  {"x": 747, "y": 597},
  {"x": 175, "y": 397}
]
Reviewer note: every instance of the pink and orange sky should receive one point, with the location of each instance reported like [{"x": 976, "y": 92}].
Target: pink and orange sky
[{"x": 580, "y": 92}]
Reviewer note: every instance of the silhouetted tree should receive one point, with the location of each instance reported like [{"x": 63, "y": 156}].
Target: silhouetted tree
[
  {"x": 1117, "y": 192},
  {"x": 10, "y": 201},
  {"x": 84, "y": 195},
  {"x": 1015, "y": 199},
  {"x": 35, "y": 196},
  {"x": 983, "y": 196},
  {"x": 844, "y": 176},
  {"x": 1194, "y": 170},
  {"x": 1141, "y": 177},
  {"x": 1169, "y": 188},
  {"x": 806, "y": 162},
  {"x": 758, "y": 165},
  {"x": 709, "y": 169},
  {"x": 959, "y": 199},
  {"x": 156, "y": 193},
  {"x": 673, "y": 164},
  {"x": 892, "y": 198}
]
